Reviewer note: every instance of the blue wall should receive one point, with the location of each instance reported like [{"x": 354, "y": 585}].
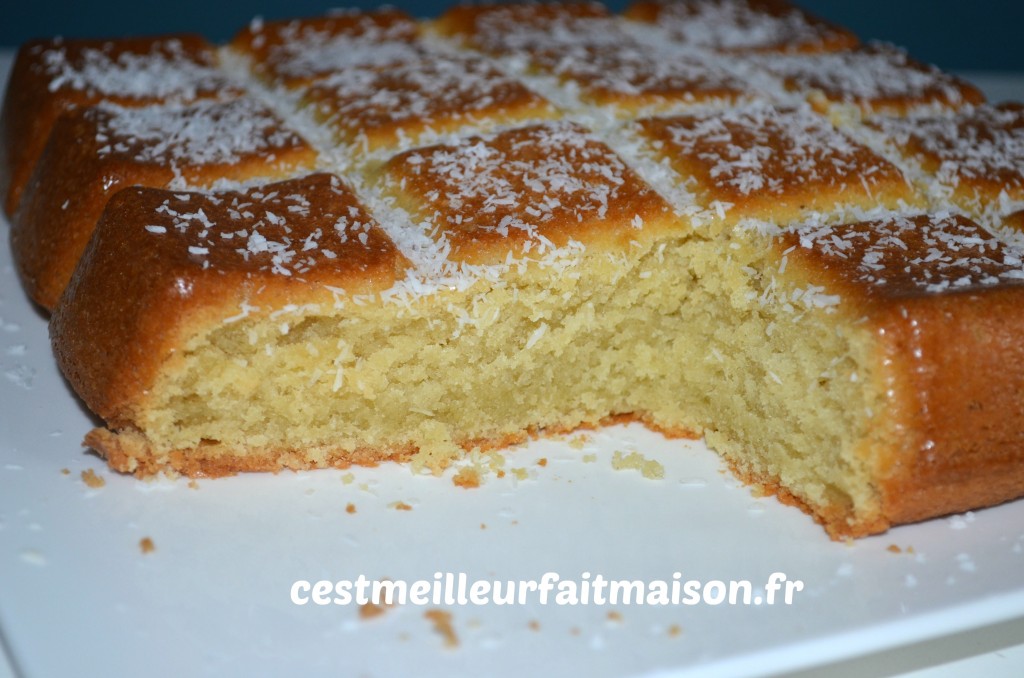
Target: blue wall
[{"x": 951, "y": 33}]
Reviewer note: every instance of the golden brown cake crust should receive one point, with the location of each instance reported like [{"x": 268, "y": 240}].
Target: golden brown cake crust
[{"x": 964, "y": 366}]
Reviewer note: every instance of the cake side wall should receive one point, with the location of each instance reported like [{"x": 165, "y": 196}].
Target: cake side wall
[{"x": 959, "y": 366}]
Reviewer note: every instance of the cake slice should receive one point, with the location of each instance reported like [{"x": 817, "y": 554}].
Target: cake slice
[
  {"x": 170, "y": 366},
  {"x": 96, "y": 151},
  {"x": 857, "y": 369},
  {"x": 931, "y": 309}
]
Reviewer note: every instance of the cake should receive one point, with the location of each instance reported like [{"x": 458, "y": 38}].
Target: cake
[{"x": 362, "y": 237}]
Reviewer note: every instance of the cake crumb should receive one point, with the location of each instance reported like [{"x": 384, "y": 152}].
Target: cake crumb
[
  {"x": 350, "y": 508},
  {"x": 146, "y": 545},
  {"x": 674, "y": 631},
  {"x": 634, "y": 460},
  {"x": 520, "y": 473},
  {"x": 575, "y": 631},
  {"x": 534, "y": 625},
  {"x": 442, "y": 622},
  {"x": 65, "y": 471},
  {"x": 483, "y": 526},
  {"x": 589, "y": 458},
  {"x": 90, "y": 478},
  {"x": 615, "y": 616},
  {"x": 348, "y": 479},
  {"x": 579, "y": 442},
  {"x": 468, "y": 477},
  {"x": 400, "y": 506},
  {"x": 369, "y": 610},
  {"x": 497, "y": 462},
  {"x": 894, "y": 549},
  {"x": 501, "y": 473},
  {"x": 193, "y": 485},
  {"x": 543, "y": 461}
]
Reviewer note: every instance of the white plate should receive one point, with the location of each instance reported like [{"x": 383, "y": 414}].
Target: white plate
[{"x": 78, "y": 596}]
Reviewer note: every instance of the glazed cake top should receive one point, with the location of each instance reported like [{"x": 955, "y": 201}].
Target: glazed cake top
[
  {"x": 381, "y": 106},
  {"x": 875, "y": 77},
  {"x": 638, "y": 75},
  {"x": 435, "y": 125},
  {"x": 742, "y": 25},
  {"x": 299, "y": 51},
  {"x": 527, "y": 28},
  {"x": 774, "y": 164},
  {"x": 200, "y": 134},
  {"x": 977, "y": 153},
  {"x": 900, "y": 257},
  {"x": 312, "y": 229},
  {"x": 525, "y": 192},
  {"x": 179, "y": 67}
]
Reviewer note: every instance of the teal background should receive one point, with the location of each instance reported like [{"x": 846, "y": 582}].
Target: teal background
[{"x": 982, "y": 35}]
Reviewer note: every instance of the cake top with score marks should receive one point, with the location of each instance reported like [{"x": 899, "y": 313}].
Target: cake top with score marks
[
  {"x": 526, "y": 192},
  {"x": 182, "y": 68},
  {"x": 774, "y": 164},
  {"x": 505, "y": 133},
  {"x": 906, "y": 256},
  {"x": 742, "y": 25}
]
